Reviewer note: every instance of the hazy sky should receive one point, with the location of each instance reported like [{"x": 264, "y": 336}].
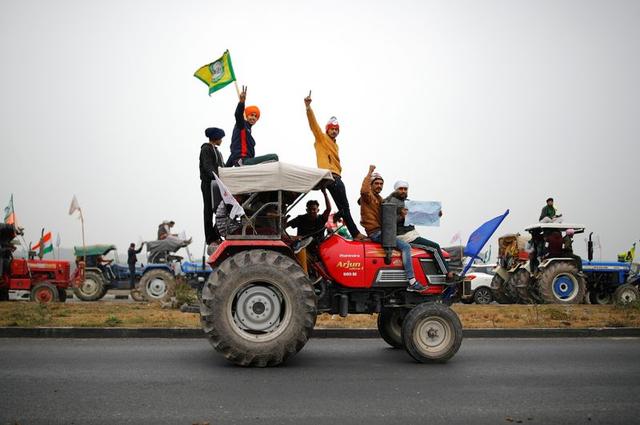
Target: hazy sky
[{"x": 482, "y": 105}]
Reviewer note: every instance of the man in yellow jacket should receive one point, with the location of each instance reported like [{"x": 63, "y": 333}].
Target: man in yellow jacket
[{"x": 328, "y": 157}]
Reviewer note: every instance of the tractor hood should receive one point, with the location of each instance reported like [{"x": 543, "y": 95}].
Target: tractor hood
[{"x": 272, "y": 176}]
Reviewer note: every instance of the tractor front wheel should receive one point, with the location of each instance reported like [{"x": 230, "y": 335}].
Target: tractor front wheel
[
  {"x": 498, "y": 290},
  {"x": 626, "y": 294},
  {"x": 44, "y": 293},
  {"x": 432, "y": 333},
  {"x": 390, "y": 325},
  {"x": 258, "y": 308},
  {"x": 158, "y": 285},
  {"x": 600, "y": 297},
  {"x": 91, "y": 288}
]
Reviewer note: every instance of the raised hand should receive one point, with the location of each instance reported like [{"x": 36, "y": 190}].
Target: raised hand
[{"x": 243, "y": 94}]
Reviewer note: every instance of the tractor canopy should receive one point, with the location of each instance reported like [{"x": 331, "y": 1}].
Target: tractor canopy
[
  {"x": 274, "y": 176},
  {"x": 538, "y": 227},
  {"x": 91, "y": 250}
]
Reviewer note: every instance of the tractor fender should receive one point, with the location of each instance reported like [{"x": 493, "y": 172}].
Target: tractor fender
[
  {"x": 156, "y": 266},
  {"x": 548, "y": 261},
  {"x": 503, "y": 273},
  {"x": 231, "y": 246}
]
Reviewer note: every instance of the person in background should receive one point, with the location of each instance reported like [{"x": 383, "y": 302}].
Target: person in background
[
  {"x": 132, "y": 259},
  {"x": 549, "y": 213},
  {"x": 328, "y": 157}
]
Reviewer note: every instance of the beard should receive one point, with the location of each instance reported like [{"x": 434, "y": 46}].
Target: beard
[{"x": 401, "y": 196}]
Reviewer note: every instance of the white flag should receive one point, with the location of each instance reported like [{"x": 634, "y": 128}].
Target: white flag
[
  {"x": 58, "y": 240},
  {"x": 456, "y": 237},
  {"x": 227, "y": 197},
  {"x": 74, "y": 205}
]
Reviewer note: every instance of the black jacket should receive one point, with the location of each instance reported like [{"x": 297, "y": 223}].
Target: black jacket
[
  {"x": 131, "y": 253},
  {"x": 210, "y": 161}
]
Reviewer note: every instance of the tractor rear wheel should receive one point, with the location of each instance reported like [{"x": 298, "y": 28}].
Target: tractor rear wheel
[
  {"x": 91, "y": 288},
  {"x": 600, "y": 297},
  {"x": 258, "y": 308},
  {"x": 521, "y": 282},
  {"x": 626, "y": 294},
  {"x": 158, "y": 285},
  {"x": 44, "y": 293},
  {"x": 560, "y": 283},
  {"x": 432, "y": 333},
  {"x": 498, "y": 291},
  {"x": 390, "y": 325}
]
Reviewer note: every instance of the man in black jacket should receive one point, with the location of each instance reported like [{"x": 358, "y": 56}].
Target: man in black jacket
[
  {"x": 131, "y": 261},
  {"x": 210, "y": 161}
]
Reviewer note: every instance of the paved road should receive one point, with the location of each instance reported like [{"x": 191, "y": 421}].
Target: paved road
[{"x": 183, "y": 381}]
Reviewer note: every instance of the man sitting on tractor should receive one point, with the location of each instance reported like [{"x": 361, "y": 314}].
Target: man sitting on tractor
[
  {"x": 370, "y": 217},
  {"x": 311, "y": 225},
  {"x": 549, "y": 214},
  {"x": 409, "y": 233}
]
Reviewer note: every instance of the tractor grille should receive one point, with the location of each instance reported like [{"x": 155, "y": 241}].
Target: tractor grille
[{"x": 387, "y": 278}]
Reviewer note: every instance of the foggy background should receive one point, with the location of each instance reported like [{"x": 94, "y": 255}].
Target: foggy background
[{"x": 482, "y": 105}]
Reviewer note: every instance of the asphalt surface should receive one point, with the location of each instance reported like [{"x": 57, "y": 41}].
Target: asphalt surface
[{"x": 332, "y": 381}]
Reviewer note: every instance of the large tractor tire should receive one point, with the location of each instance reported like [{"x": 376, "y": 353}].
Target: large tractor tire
[
  {"x": 258, "y": 308},
  {"x": 390, "y": 325},
  {"x": 560, "y": 283},
  {"x": 626, "y": 294},
  {"x": 522, "y": 285},
  {"x": 498, "y": 291},
  {"x": 44, "y": 293},
  {"x": 91, "y": 289},
  {"x": 432, "y": 333},
  {"x": 158, "y": 285},
  {"x": 600, "y": 297}
]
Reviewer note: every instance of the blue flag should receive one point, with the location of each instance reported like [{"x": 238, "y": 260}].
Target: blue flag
[{"x": 480, "y": 237}]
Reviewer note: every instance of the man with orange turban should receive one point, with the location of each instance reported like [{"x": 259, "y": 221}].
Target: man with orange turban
[{"x": 242, "y": 143}]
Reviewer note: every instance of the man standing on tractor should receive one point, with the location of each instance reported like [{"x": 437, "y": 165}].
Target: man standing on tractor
[
  {"x": 549, "y": 214},
  {"x": 409, "y": 233},
  {"x": 210, "y": 162},
  {"x": 371, "y": 219},
  {"x": 132, "y": 259},
  {"x": 328, "y": 157},
  {"x": 242, "y": 143}
]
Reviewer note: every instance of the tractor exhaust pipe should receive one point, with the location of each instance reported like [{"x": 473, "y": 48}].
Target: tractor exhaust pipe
[{"x": 389, "y": 223}]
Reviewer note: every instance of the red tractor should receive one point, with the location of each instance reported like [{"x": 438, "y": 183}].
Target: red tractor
[
  {"x": 259, "y": 307},
  {"x": 45, "y": 280}
]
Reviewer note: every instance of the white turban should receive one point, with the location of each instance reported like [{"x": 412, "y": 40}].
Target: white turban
[{"x": 400, "y": 183}]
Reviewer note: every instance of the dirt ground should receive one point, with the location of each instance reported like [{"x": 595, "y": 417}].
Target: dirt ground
[{"x": 114, "y": 314}]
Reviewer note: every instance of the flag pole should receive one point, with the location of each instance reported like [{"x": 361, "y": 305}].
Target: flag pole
[
  {"x": 237, "y": 89},
  {"x": 84, "y": 248}
]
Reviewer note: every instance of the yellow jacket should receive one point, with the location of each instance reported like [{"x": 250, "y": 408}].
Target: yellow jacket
[{"x": 327, "y": 153}]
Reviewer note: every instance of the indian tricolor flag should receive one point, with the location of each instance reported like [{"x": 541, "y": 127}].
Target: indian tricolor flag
[
  {"x": 9, "y": 213},
  {"x": 45, "y": 244}
]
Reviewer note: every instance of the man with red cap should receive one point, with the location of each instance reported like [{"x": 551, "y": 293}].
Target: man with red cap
[
  {"x": 328, "y": 157},
  {"x": 242, "y": 143}
]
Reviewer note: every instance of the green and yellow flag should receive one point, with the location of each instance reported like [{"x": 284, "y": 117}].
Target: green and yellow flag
[{"x": 217, "y": 74}]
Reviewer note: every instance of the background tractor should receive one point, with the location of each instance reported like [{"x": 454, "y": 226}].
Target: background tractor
[
  {"x": 536, "y": 273},
  {"x": 45, "y": 281},
  {"x": 258, "y": 307},
  {"x": 612, "y": 281}
]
